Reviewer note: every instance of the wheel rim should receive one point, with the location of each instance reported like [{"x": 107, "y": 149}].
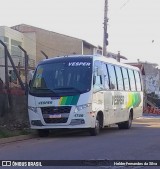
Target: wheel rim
[
  {"x": 130, "y": 121},
  {"x": 97, "y": 127}
]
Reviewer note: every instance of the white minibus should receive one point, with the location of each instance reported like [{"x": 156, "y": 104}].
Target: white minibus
[{"x": 84, "y": 92}]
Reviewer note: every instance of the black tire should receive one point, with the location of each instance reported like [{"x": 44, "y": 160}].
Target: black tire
[
  {"x": 43, "y": 132},
  {"x": 126, "y": 124},
  {"x": 95, "y": 131}
]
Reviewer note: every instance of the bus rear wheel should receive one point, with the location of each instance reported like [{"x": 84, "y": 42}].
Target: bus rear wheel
[
  {"x": 43, "y": 132},
  {"x": 95, "y": 131},
  {"x": 126, "y": 124}
]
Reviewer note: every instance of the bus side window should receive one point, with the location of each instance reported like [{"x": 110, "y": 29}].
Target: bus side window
[
  {"x": 138, "y": 80},
  {"x": 98, "y": 82},
  {"x": 105, "y": 76},
  {"x": 112, "y": 77},
  {"x": 97, "y": 79},
  {"x": 132, "y": 80},
  {"x": 119, "y": 78},
  {"x": 125, "y": 79}
]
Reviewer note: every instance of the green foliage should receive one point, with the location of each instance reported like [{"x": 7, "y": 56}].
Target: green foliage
[{"x": 4, "y": 133}]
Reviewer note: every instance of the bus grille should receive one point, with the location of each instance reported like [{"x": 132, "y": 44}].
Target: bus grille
[{"x": 49, "y": 112}]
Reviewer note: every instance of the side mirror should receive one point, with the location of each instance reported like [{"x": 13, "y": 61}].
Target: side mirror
[
  {"x": 30, "y": 75},
  {"x": 29, "y": 84},
  {"x": 94, "y": 80}
]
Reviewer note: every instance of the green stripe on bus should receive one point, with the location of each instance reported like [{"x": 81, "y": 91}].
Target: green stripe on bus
[
  {"x": 75, "y": 100},
  {"x": 69, "y": 100},
  {"x": 134, "y": 99},
  {"x": 63, "y": 102}
]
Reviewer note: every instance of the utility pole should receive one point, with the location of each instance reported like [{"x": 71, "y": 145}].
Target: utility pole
[{"x": 105, "y": 36}]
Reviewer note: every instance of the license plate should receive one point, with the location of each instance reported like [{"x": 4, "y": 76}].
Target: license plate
[{"x": 52, "y": 116}]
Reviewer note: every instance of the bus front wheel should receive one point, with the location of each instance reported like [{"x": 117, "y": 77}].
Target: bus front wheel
[{"x": 95, "y": 131}]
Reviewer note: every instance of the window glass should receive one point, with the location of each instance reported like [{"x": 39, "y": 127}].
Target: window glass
[
  {"x": 125, "y": 78},
  {"x": 97, "y": 84},
  {"x": 119, "y": 78},
  {"x": 63, "y": 78},
  {"x": 1, "y": 51},
  {"x": 138, "y": 80},
  {"x": 112, "y": 77},
  {"x": 15, "y": 51},
  {"x": 15, "y": 43},
  {"x": 105, "y": 76},
  {"x": 6, "y": 41},
  {"x": 132, "y": 80}
]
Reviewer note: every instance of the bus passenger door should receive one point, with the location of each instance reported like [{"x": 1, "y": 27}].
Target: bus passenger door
[
  {"x": 107, "y": 95},
  {"x": 108, "y": 108}
]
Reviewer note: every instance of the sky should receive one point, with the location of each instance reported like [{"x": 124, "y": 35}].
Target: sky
[{"x": 133, "y": 25}]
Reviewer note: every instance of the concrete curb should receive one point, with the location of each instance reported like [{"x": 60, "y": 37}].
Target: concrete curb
[{"x": 16, "y": 138}]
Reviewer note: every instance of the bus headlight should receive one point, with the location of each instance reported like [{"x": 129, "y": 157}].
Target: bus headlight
[
  {"x": 34, "y": 109},
  {"x": 81, "y": 107}
]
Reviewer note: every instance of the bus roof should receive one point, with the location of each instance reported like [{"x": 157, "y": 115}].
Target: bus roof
[{"x": 94, "y": 57}]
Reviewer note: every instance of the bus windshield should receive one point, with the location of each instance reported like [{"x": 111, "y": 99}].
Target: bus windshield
[{"x": 61, "y": 78}]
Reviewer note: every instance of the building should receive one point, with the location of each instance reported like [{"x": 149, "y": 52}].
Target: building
[
  {"x": 35, "y": 41},
  {"x": 55, "y": 44},
  {"x": 13, "y": 39}
]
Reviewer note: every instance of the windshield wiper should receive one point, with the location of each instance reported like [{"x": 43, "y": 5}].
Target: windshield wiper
[{"x": 68, "y": 88}]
